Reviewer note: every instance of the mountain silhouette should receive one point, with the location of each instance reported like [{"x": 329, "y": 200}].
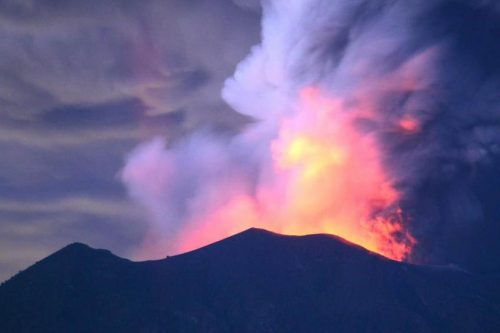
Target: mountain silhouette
[{"x": 255, "y": 281}]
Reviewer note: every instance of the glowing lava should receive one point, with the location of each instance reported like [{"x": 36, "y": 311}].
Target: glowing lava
[{"x": 326, "y": 177}]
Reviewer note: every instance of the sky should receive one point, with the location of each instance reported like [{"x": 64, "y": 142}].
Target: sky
[
  {"x": 82, "y": 83},
  {"x": 150, "y": 127}
]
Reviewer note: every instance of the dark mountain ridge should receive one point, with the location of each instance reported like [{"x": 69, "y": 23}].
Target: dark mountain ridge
[{"x": 255, "y": 281}]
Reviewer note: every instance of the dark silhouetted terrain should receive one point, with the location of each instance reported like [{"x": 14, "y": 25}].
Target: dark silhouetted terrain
[{"x": 255, "y": 281}]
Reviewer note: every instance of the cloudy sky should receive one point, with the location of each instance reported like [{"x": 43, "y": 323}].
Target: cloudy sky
[
  {"x": 82, "y": 83},
  {"x": 152, "y": 126}
]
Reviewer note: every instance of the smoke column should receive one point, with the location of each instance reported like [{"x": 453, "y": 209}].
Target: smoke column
[{"x": 359, "y": 116}]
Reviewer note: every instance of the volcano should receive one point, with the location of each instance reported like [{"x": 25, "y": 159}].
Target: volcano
[{"x": 255, "y": 281}]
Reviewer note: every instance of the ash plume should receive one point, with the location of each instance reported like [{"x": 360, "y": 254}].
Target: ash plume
[{"x": 374, "y": 120}]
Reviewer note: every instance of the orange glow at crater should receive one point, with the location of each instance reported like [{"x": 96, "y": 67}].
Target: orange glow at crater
[{"x": 326, "y": 177}]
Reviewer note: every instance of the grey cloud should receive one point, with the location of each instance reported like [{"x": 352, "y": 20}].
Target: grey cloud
[
  {"x": 82, "y": 82},
  {"x": 114, "y": 50},
  {"x": 82, "y": 205},
  {"x": 29, "y": 234}
]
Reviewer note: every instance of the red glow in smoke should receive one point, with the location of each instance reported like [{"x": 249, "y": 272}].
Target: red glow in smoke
[
  {"x": 327, "y": 177},
  {"x": 409, "y": 125}
]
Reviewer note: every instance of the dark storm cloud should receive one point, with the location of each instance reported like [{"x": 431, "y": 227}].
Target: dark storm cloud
[{"x": 81, "y": 83}]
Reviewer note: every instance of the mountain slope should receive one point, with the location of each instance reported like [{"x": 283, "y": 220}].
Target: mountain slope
[{"x": 255, "y": 281}]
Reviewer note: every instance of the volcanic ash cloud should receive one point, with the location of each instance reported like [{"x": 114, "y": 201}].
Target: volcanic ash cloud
[{"x": 348, "y": 100}]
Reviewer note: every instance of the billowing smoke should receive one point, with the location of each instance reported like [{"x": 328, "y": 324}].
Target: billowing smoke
[{"x": 377, "y": 121}]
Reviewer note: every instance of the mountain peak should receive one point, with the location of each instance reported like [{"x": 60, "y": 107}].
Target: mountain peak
[
  {"x": 81, "y": 250},
  {"x": 332, "y": 239},
  {"x": 254, "y": 281},
  {"x": 256, "y": 232},
  {"x": 76, "y": 247},
  {"x": 326, "y": 242}
]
